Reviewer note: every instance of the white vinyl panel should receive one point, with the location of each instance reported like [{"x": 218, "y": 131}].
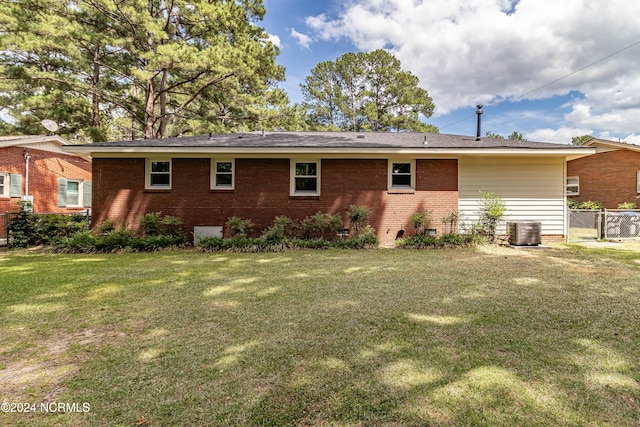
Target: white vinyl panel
[{"x": 532, "y": 189}]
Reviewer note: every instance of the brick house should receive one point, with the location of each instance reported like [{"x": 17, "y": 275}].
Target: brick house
[
  {"x": 610, "y": 176},
  {"x": 205, "y": 180},
  {"x": 36, "y": 166}
]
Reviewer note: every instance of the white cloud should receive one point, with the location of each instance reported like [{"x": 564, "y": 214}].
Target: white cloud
[
  {"x": 467, "y": 52},
  {"x": 562, "y": 135},
  {"x": 633, "y": 139},
  {"x": 275, "y": 40},
  {"x": 303, "y": 39}
]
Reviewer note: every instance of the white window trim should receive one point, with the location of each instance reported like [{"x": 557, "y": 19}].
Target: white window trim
[
  {"x": 638, "y": 181},
  {"x": 80, "y": 193},
  {"x": 412, "y": 164},
  {"x": 5, "y": 191},
  {"x": 214, "y": 169},
  {"x": 147, "y": 174},
  {"x": 577, "y": 185},
  {"x": 292, "y": 183}
]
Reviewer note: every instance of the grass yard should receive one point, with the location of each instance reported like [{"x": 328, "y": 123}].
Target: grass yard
[{"x": 475, "y": 337}]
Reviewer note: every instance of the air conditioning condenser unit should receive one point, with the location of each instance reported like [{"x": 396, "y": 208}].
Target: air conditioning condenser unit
[{"x": 524, "y": 233}]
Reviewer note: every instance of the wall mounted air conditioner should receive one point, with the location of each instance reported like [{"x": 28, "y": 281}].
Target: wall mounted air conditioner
[{"x": 524, "y": 233}]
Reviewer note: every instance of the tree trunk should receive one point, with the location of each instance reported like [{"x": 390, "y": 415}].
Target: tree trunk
[{"x": 95, "y": 82}]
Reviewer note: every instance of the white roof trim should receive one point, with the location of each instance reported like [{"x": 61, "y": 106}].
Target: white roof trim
[{"x": 10, "y": 141}]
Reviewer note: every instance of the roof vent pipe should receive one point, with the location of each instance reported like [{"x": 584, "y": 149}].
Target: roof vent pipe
[
  {"x": 479, "y": 114},
  {"x": 425, "y": 142}
]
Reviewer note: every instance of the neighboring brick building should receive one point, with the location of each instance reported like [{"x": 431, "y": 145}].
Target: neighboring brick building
[
  {"x": 36, "y": 166},
  {"x": 206, "y": 180},
  {"x": 610, "y": 176}
]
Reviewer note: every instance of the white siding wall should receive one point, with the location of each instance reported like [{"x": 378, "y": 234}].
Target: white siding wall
[{"x": 533, "y": 189}]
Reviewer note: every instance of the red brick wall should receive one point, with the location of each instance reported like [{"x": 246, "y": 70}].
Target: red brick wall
[
  {"x": 262, "y": 192},
  {"x": 45, "y": 167},
  {"x": 608, "y": 177}
]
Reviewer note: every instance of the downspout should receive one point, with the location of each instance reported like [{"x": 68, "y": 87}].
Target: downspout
[
  {"x": 479, "y": 113},
  {"x": 27, "y": 158}
]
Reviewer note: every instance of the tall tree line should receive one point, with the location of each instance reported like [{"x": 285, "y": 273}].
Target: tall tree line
[
  {"x": 366, "y": 91},
  {"x": 137, "y": 68}
]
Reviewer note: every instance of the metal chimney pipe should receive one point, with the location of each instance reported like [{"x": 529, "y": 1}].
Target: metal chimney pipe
[{"x": 479, "y": 114}]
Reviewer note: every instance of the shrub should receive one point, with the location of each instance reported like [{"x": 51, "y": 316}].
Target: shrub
[
  {"x": 358, "y": 217},
  {"x": 319, "y": 225},
  {"x": 157, "y": 224},
  {"x": 150, "y": 223},
  {"x": 492, "y": 210},
  {"x": 450, "y": 240},
  {"x": 421, "y": 221},
  {"x": 589, "y": 204},
  {"x": 366, "y": 240},
  {"x": 116, "y": 240},
  {"x": 106, "y": 226},
  {"x": 80, "y": 242},
  {"x": 29, "y": 229},
  {"x": 21, "y": 226},
  {"x": 627, "y": 205},
  {"x": 450, "y": 222},
  {"x": 239, "y": 226}
]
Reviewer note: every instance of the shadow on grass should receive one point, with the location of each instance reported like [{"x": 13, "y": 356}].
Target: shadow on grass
[{"x": 472, "y": 337}]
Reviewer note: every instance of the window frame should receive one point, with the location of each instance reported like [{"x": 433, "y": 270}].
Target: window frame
[
  {"x": 80, "y": 194},
  {"x": 214, "y": 174},
  {"x": 577, "y": 185},
  {"x": 293, "y": 176},
  {"x": 638, "y": 181},
  {"x": 5, "y": 192},
  {"x": 391, "y": 174},
  {"x": 149, "y": 171}
]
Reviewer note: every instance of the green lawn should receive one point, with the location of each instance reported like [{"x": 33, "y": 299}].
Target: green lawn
[{"x": 488, "y": 336}]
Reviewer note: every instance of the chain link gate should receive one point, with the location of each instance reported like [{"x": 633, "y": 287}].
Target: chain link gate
[{"x": 584, "y": 225}]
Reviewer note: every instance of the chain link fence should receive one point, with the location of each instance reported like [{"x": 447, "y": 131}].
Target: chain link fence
[
  {"x": 621, "y": 224},
  {"x": 586, "y": 224}
]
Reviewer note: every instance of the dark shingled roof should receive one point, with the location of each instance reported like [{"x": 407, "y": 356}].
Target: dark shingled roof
[{"x": 335, "y": 140}]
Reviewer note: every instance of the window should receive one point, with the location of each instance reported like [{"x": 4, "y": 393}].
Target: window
[
  {"x": 223, "y": 174},
  {"x": 305, "y": 178},
  {"x": 402, "y": 175},
  {"x": 638, "y": 182},
  {"x": 158, "y": 174},
  {"x": 73, "y": 193},
  {"x": 4, "y": 185},
  {"x": 573, "y": 186}
]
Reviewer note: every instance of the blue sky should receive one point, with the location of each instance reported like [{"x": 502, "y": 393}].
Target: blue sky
[{"x": 500, "y": 53}]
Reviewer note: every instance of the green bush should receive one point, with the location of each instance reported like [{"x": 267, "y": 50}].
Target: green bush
[
  {"x": 150, "y": 223},
  {"x": 274, "y": 239},
  {"x": 421, "y": 221},
  {"x": 80, "y": 242},
  {"x": 21, "y": 226},
  {"x": 239, "y": 226},
  {"x": 322, "y": 225},
  {"x": 26, "y": 228},
  {"x": 492, "y": 209},
  {"x": 589, "y": 204},
  {"x": 358, "y": 217},
  {"x": 450, "y": 240},
  {"x": 234, "y": 244},
  {"x": 627, "y": 205}
]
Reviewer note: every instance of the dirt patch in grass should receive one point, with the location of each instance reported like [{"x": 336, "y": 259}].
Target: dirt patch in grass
[{"x": 41, "y": 369}]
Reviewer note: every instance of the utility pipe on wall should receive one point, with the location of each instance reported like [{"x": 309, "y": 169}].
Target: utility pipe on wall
[{"x": 27, "y": 158}]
